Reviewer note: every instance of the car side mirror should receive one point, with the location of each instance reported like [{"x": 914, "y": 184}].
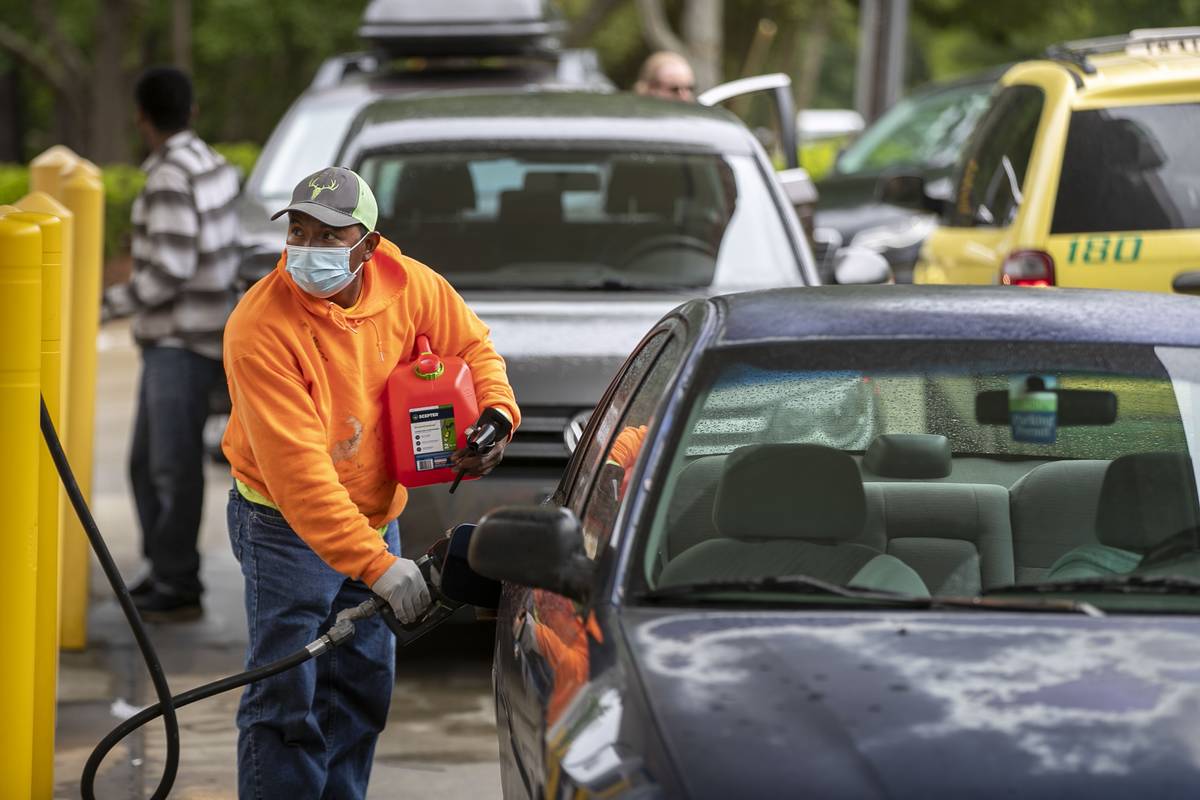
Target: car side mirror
[
  {"x": 536, "y": 546},
  {"x": 861, "y": 265},
  {"x": 798, "y": 186},
  {"x": 1187, "y": 283},
  {"x": 907, "y": 191},
  {"x": 802, "y": 194}
]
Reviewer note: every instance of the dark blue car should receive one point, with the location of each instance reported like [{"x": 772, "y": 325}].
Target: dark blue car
[{"x": 996, "y": 596}]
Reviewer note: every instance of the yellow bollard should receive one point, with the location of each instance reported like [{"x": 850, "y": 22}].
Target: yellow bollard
[
  {"x": 83, "y": 194},
  {"x": 45, "y": 653},
  {"x": 46, "y": 171},
  {"x": 45, "y": 204},
  {"x": 20, "y": 330},
  {"x": 85, "y": 165}
]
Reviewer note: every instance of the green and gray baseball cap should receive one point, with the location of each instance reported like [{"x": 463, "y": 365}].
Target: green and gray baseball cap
[{"x": 336, "y": 196}]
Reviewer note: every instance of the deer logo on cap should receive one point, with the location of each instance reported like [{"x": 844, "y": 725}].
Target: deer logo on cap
[{"x": 318, "y": 188}]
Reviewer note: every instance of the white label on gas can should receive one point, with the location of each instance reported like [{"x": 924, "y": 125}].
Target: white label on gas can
[{"x": 433, "y": 436}]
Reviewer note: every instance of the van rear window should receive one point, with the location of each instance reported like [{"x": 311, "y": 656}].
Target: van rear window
[{"x": 1135, "y": 168}]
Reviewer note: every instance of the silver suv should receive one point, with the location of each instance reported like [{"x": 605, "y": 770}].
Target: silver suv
[
  {"x": 570, "y": 222},
  {"x": 415, "y": 48}
]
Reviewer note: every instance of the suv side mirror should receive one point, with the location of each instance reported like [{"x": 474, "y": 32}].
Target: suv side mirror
[
  {"x": 802, "y": 194},
  {"x": 536, "y": 546},
  {"x": 798, "y": 186},
  {"x": 908, "y": 191},
  {"x": 861, "y": 265}
]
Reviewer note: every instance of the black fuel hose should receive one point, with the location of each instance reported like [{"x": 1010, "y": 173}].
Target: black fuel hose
[
  {"x": 153, "y": 665},
  {"x": 341, "y": 631}
]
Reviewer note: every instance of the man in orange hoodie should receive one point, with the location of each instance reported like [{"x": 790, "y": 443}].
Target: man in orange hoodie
[{"x": 312, "y": 517}]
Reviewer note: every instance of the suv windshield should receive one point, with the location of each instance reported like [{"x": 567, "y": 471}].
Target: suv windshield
[
  {"x": 546, "y": 219},
  {"x": 926, "y": 470},
  {"x": 927, "y": 131},
  {"x": 1150, "y": 174}
]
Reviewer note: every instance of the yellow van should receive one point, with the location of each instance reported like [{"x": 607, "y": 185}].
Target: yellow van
[{"x": 1084, "y": 171}]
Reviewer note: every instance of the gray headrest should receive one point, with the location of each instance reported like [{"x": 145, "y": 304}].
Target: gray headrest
[
  {"x": 1146, "y": 498},
  {"x": 909, "y": 455},
  {"x": 647, "y": 187},
  {"x": 790, "y": 491},
  {"x": 435, "y": 188}
]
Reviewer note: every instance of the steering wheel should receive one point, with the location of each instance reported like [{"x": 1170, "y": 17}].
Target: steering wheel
[
  {"x": 1174, "y": 547},
  {"x": 666, "y": 241}
]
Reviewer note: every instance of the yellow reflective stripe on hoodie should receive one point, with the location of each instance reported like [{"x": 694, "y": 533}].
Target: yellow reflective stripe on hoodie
[{"x": 259, "y": 499}]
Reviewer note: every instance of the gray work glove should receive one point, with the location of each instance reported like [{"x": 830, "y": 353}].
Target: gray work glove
[{"x": 403, "y": 587}]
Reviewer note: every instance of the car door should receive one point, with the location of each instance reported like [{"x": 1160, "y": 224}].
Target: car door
[
  {"x": 778, "y": 89},
  {"x": 544, "y": 639},
  {"x": 747, "y": 98},
  {"x": 1127, "y": 211},
  {"x": 979, "y": 228}
]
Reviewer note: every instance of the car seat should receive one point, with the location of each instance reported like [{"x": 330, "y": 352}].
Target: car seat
[
  {"x": 791, "y": 509},
  {"x": 1053, "y": 509},
  {"x": 1146, "y": 499},
  {"x": 957, "y": 536}
]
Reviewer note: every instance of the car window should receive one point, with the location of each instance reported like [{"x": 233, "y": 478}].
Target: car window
[
  {"x": 952, "y": 469},
  {"x": 522, "y": 218},
  {"x": 612, "y": 484},
  {"x": 992, "y": 172},
  {"x": 592, "y": 453},
  {"x": 1130, "y": 168},
  {"x": 925, "y": 131}
]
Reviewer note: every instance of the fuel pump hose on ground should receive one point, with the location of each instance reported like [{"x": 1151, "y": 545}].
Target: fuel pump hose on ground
[{"x": 341, "y": 631}]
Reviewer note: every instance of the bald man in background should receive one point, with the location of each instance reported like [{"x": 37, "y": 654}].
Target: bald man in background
[{"x": 668, "y": 75}]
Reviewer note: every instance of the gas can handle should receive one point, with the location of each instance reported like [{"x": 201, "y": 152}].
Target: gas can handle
[{"x": 423, "y": 347}]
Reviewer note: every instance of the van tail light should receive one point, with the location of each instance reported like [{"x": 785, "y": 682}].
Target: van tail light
[{"x": 1027, "y": 268}]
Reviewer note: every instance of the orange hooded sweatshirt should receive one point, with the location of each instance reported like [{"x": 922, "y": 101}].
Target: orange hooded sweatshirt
[{"x": 306, "y": 378}]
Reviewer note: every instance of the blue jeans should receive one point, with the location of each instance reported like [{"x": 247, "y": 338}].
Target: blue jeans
[
  {"x": 308, "y": 732},
  {"x": 166, "y": 461}
]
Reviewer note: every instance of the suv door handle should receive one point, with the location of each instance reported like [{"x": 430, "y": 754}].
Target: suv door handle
[{"x": 1187, "y": 283}]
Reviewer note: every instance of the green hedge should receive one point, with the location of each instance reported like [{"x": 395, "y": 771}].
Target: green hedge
[{"x": 122, "y": 182}]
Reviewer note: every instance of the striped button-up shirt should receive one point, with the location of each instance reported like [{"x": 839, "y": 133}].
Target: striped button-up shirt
[{"x": 185, "y": 248}]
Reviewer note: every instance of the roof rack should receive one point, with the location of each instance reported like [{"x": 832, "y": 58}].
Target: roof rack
[{"x": 1152, "y": 40}]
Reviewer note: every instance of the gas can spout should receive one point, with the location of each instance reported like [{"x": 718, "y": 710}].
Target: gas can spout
[{"x": 491, "y": 428}]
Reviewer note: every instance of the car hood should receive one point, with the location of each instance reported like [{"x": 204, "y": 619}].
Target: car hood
[
  {"x": 974, "y": 704},
  {"x": 563, "y": 348}
]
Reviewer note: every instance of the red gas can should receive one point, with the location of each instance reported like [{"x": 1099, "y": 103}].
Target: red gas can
[{"x": 428, "y": 404}]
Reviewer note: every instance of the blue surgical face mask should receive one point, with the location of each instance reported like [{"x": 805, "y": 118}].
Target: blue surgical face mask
[{"x": 321, "y": 271}]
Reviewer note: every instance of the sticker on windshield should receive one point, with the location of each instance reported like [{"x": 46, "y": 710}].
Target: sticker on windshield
[{"x": 1033, "y": 409}]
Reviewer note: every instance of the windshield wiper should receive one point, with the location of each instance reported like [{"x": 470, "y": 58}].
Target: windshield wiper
[
  {"x": 799, "y": 584},
  {"x": 1120, "y": 584},
  {"x": 802, "y": 584},
  {"x": 1016, "y": 604},
  {"x": 622, "y": 285}
]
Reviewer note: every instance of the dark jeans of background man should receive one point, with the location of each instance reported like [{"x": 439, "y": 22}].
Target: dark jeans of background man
[
  {"x": 166, "y": 465},
  {"x": 309, "y": 732}
]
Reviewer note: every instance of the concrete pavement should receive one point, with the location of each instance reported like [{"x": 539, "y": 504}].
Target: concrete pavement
[{"x": 440, "y": 739}]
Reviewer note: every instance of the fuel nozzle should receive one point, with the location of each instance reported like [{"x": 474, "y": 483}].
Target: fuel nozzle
[
  {"x": 491, "y": 427},
  {"x": 452, "y": 584}
]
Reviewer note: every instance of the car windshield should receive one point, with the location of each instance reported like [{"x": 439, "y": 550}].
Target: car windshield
[
  {"x": 927, "y": 131},
  {"x": 306, "y": 141},
  {"x": 934, "y": 470},
  {"x": 552, "y": 219},
  {"x": 1151, "y": 170}
]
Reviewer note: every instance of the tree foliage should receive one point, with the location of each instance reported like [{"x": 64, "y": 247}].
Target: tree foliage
[{"x": 78, "y": 59}]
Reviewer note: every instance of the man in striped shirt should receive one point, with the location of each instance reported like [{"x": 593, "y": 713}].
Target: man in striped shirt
[{"x": 180, "y": 293}]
